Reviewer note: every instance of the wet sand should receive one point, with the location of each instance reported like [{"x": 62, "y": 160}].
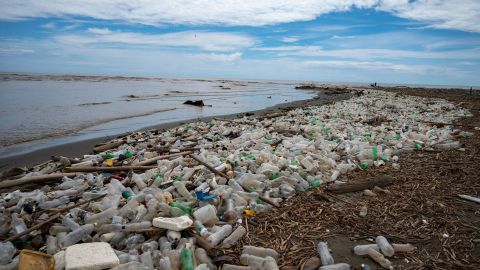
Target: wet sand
[{"x": 77, "y": 149}]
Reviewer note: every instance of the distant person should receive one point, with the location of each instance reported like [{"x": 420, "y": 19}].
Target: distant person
[
  {"x": 471, "y": 90},
  {"x": 375, "y": 84}
]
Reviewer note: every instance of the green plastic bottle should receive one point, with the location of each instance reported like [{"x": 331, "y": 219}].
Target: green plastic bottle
[
  {"x": 186, "y": 259},
  {"x": 184, "y": 208}
]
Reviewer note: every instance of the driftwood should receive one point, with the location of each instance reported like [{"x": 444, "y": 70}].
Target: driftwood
[
  {"x": 440, "y": 124},
  {"x": 54, "y": 217},
  {"x": 34, "y": 179},
  {"x": 106, "y": 146},
  {"x": 380, "y": 181},
  {"x": 153, "y": 160},
  {"x": 109, "y": 169}
]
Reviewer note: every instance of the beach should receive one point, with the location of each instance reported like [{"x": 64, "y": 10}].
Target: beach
[{"x": 420, "y": 207}]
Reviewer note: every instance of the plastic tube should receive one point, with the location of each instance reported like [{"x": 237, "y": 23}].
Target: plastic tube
[
  {"x": 324, "y": 253},
  {"x": 217, "y": 237}
]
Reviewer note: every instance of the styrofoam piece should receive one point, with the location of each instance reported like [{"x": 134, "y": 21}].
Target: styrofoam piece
[
  {"x": 175, "y": 224},
  {"x": 90, "y": 256}
]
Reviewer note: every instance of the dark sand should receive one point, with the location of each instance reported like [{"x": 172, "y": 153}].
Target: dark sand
[{"x": 77, "y": 149}]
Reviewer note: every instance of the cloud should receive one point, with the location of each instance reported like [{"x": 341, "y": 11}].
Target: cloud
[
  {"x": 444, "y": 14},
  {"x": 204, "y": 40},
  {"x": 369, "y": 54},
  {"x": 290, "y": 39},
  {"x": 50, "y": 25},
  {"x": 100, "y": 31},
  {"x": 219, "y": 57}
]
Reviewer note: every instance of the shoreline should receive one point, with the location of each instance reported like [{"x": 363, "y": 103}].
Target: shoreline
[{"x": 82, "y": 147}]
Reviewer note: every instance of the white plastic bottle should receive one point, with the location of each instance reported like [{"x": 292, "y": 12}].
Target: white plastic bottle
[
  {"x": 77, "y": 235},
  {"x": 215, "y": 238},
  {"x": 234, "y": 237},
  {"x": 384, "y": 246},
  {"x": 337, "y": 266},
  {"x": 324, "y": 253},
  {"x": 260, "y": 252}
]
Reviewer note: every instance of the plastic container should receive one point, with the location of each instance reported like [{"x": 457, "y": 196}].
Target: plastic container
[
  {"x": 337, "y": 266},
  {"x": 233, "y": 238},
  {"x": 379, "y": 258},
  {"x": 215, "y": 238},
  {"x": 175, "y": 224},
  {"x": 363, "y": 249},
  {"x": 206, "y": 214},
  {"x": 7, "y": 250},
  {"x": 76, "y": 235},
  {"x": 325, "y": 256},
  {"x": 384, "y": 246},
  {"x": 260, "y": 252},
  {"x": 29, "y": 259}
]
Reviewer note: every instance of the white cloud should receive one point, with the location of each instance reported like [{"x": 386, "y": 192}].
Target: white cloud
[
  {"x": 219, "y": 57},
  {"x": 100, "y": 31},
  {"x": 369, "y": 54},
  {"x": 290, "y": 39},
  {"x": 204, "y": 40},
  {"x": 50, "y": 25},
  {"x": 445, "y": 14}
]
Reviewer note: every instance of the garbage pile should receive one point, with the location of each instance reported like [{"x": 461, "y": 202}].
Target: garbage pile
[{"x": 114, "y": 209}]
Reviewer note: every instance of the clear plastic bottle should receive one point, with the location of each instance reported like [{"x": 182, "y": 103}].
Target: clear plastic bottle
[
  {"x": 182, "y": 190},
  {"x": 404, "y": 248},
  {"x": 133, "y": 227},
  {"x": 236, "y": 267},
  {"x": 76, "y": 235},
  {"x": 260, "y": 252},
  {"x": 379, "y": 258},
  {"x": 52, "y": 247},
  {"x": 7, "y": 250},
  {"x": 17, "y": 224},
  {"x": 203, "y": 258},
  {"x": 324, "y": 253},
  {"x": 236, "y": 235},
  {"x": 312, "y": 264},
  {"x": 215, "y": 238},
  {"x": 230, "y": 215},
  {"x": 146, "y": 259},
  {"x": 206, "y": 214},
  {"x": 384, "y": 246},
  {"x": 54, "y": 203},
  {"x": 337, "y": 266},
  {"x": 363, "y": 211},
  {"x": 102, "y": 216},
  {"x": 363, "y": 249}
]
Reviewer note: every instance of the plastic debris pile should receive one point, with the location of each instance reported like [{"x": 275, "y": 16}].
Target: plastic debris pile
[{"x": 209, "y": 176}]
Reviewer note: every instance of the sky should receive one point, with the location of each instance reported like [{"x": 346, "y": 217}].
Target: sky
[{"x": 435, "y": 42}]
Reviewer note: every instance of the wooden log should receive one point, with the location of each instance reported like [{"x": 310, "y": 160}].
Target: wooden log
[
  {"x": 215, "y": 171},
  {"x": 380, "y": 181},
  {"x": 34, "y": 179},
  {"x": 154, "y": 159},
  {"x": 109, "y": 169},
  {"x": 107, "y": 146}
]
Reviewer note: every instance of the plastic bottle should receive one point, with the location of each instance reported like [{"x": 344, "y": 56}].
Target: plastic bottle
[
  {"x": 186, "y": 259},
  {"x": 384, "y": 246},
  {"x": 182, "y": 190},
  {"x": 133, "y": 227},
  {"x": 206, "y": 214},
  {"x": 186, "y": 209},
  {"x": 137, "y": 179},
  {"x": 200, "y": 229},
  {"x": 17, "y": 224},
  {"x": 70, "y": 223},
  {"x": 173, "y": 236},
  {"x": 260, "y": 252},
  {"x": 324, "y": 253},
  {"x": 230, "y": 215},
  {"x": 215, "y": 238},
  {"x": 404, "y": 248},
  {"x": 76, "y": 235},
  {"x": 238, "y": 233},
  {"x": 164, "y": 244},
  {"x": 54, "y": 203},
  {"x": 363, "y": 249},
  {"x": 202, "y": 258},
  {"x": 363, "y": 211},
  {"x": 146, "y": 259},
  {"x": 102, "y": 216},
  {"x": 7, "y": 250},
  {"x": 165, "y": 264},
  {"x": 337, "y": 266},
  {"x": 52, "y": 247},
  {"x": 379, "y": 258},
  {"x": 312, "y": 264}
]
